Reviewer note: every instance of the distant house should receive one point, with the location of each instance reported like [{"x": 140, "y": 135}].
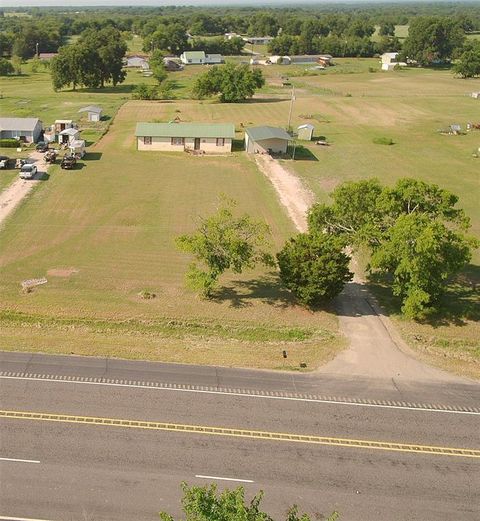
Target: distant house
[
  {"x": 258, "y": 40},
  {"x": 139, "y": 62},
  {"x": 266, "y": 140},
  {"x": 172, "y": 65},
  {"x": 68, "y": 135},
  {"x": 94, "y": 113},
  {"x": 305, "y": 132},
  {"x": 475, "y": 95},
  {"x": 390, "y": 61},
  {"x": 231, "y": 36},
  {"x": 27, "y": 130},
  {"x": 213, "y": 138},
  {"x": 47, "y": 56},
  {"x": 279, "y": 60},
  {"x": 200, "y": 58}
]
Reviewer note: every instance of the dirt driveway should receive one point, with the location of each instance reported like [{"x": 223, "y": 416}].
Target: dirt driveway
[
  {"x": 376, "y": 349},
  {"x": 11, "y": 196}
]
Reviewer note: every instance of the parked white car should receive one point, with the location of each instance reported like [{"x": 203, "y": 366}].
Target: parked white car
[{"x": 28, "y": 171}]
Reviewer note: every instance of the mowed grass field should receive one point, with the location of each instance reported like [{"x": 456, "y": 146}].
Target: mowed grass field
[{"x": 104, "y": 233}]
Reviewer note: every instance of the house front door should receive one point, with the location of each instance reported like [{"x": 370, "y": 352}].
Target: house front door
[{"x": 196, "y": 144}]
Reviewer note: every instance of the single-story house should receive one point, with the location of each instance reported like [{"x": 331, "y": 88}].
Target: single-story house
[
  {"x": 172, "y": 65},
  {"x": 305, "y": 132},
  {"x": 258, "y": 40},
  {"x": 27, "y": 130},
  {"x": 135, "y": 61},
  {"x": 68, "y": 135},
  {"x": 390, "y": 61},
  {"x": 200, "y": 58},
  {"x": 213, "y": 138},
  {"x": 231, "y": 36},
  {"x": 47, "y": 56},
  {"x": 94, "y": 113},
  {"x": 266, "y": 140}
]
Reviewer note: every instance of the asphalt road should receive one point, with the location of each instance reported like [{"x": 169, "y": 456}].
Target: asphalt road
[{"x": 127, "y": 465}]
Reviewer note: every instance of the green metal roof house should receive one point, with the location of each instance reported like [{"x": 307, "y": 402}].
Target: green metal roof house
[
  {"x": 205, "y": 138},
  {"x": 266, "y": 140}
]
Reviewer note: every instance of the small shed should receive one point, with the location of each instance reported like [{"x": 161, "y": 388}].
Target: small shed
[
  {"x": 305, "y": 132},
  {"x": 62, "y": 124},
  {"x": 266, "y": 140},
  {"x": 68, "y": 135},
  {"x": 476, "y": 95},
  {"x": 94, "y": 113},
  {"x": 77, "y": 148},
  {"x": 137, "y": 61}
]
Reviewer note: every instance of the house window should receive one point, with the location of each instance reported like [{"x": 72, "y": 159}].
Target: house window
[
  {"x": 178, "y": 141},
  {"x": 220, "y": 141},
  {"x": 147, "y": 140}
]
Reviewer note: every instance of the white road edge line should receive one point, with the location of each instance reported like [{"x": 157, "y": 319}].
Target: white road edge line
[
  {"x": 10, "y": 518},
  {"x": 243, "y": 395},
  {"x": 223, "y": 479},
  {"x": 19, "y": 461}
]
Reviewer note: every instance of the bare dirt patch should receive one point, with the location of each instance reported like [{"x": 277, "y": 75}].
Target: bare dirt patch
[{"x": 62, "y": 272}]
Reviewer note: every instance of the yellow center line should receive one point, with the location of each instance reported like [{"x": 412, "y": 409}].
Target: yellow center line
[{"x": 243, "y": 433}]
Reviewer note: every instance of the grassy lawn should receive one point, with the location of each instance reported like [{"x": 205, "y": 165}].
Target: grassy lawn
[{"x": 103, "y": 233}]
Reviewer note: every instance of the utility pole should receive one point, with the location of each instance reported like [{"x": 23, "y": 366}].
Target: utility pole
[{"x": 291, "y": 109}]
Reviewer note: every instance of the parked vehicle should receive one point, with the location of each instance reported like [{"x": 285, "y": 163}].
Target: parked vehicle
[
  {"x": 41, "y": 146},
  {"x": 68, "y": 162},
  {"x": 28, "y": 171},
  {"x": 50, "y": 156},
  {"x": 4, "y": 161},
  {"x": 20, "y": 162}
]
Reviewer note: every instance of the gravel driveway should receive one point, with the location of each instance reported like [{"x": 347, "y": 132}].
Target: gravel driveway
[{"x": 11, "y": 196}]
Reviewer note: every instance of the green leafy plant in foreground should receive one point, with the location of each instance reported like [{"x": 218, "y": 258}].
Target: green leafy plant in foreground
[{"x": 206, "y": 504}]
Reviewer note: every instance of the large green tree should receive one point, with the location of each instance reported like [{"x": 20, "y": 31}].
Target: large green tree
[
  {"x": 224, "y": 241},
  {"x": 207, "y": 504},
  {"x": 433, "y": 39},
  {"x": 415, "y": 233},
  {"x": 468, "y": 64},
  {"x": 231, "y": 82},
  {"x": 314, "y": 267},
  {"x": 93, "y": 61},
  {"x": 420, "y": 254}
]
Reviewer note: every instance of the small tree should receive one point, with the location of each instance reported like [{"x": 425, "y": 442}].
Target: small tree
[
  {"x": 314, "y": 267},
  {"x": 222, "y": 242},
  {"x": 145, "y": 92},
  {"x": 6, "y": 67},
  {"x": 17, "y": 64},
  {"x": 157, "y": 66},
  {"x": 206, "y": 504},
  {"x": 231, "y": 82}
]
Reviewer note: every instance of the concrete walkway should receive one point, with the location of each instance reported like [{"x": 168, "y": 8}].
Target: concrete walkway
[
  {"x": 11, "y": 197},
  {"x": 376, "y": 349}
]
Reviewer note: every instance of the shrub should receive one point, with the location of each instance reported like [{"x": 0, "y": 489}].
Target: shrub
[
  {"x": 9, "y": 143},
  {"x": 383, "y": 141}
]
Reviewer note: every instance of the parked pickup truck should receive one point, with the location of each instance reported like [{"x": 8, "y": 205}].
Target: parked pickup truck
[{"x": 28, "y": 171}]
